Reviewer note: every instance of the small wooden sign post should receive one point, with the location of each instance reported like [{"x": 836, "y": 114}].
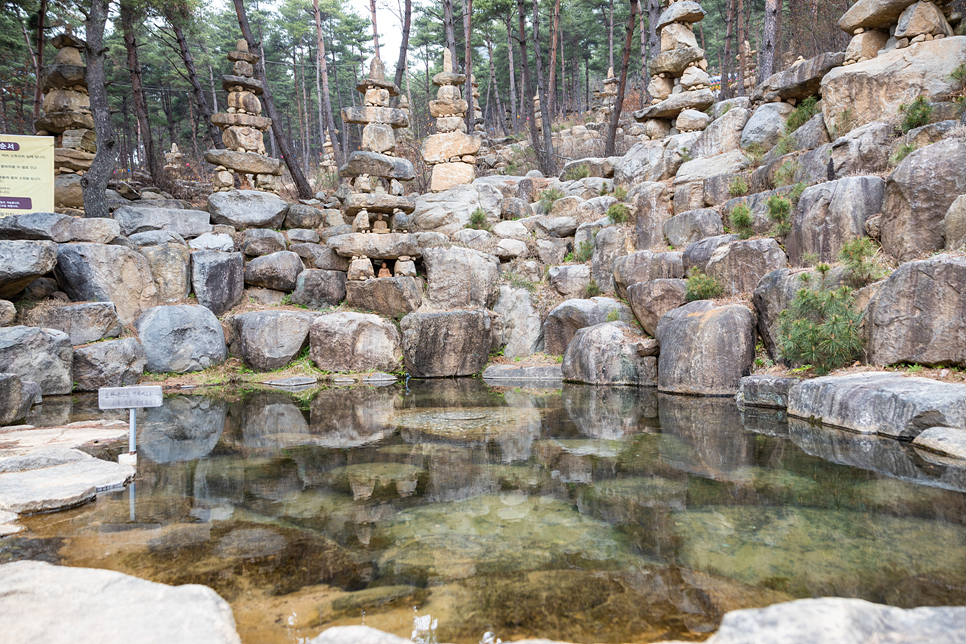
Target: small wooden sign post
[{"x": 132, "y": 398}]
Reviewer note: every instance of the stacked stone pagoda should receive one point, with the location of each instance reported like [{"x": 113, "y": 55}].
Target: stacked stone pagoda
[
  {"x": 375, "y": 174},
  {"x": 405, "y": 132},
  {"x": 679, "y": 80},
  {"x": 876, "y": 27},
  {"x": 172, "y": 161},
  {"x": 67, "y": 117},
  {"x": 328, "y": 158},
  {"x": 242, "y": 129},
  {"x": 751, "y": 68},
  {"x": 608, "y": 97},
  {"x": 451, "y": 151}
]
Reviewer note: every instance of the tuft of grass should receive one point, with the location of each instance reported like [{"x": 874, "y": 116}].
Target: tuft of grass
[
  {"x": 518, "y": 281},
  {"x": 901, "y": 153},
  {"x": 576, "y": 173},
  {"x": 755, "y": 152},
  {"x": 741, "y": 221},
  {"x": 844, "y": 124},
  {"x": 785, "y": 144},
  {"x": 620, "y": 193},
  {"x": 592, "y": 290},
  {"x": 858, "y": 256},
  {"x": 549, "y": 197},
  {"x": 803, "y": 114},
  {"x": 618, "y": 213},
  {"x": 796, "y": 192},
  {"x": 613, "y": 315},
  {"x": 702, "y": 286},
  {"x": 478, "y": 220},
  {"x": 738, "y": 187},
  {"x": 916, "y": 114}
]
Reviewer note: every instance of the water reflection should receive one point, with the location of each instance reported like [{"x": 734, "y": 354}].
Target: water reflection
[{"x": 450, "y": 511}]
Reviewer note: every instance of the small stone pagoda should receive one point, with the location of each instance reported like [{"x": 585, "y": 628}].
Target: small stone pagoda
[
  {"x": 328, "y": 158},
  {"x": 376, "y": 175},
  {"x": 241, "y": 131},
  {"x": 679, "y": 80},
  {"x": 608, "y": 97},
  {"x": 451, "y": 151},
  {"x": 172, "y": 161},
  {"x": 67, "y": 117}
]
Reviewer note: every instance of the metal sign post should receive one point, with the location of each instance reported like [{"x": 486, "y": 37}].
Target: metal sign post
[{"x": 131, "y": 398}]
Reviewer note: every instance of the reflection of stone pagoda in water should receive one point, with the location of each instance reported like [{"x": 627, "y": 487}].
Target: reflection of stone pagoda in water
[
  {"x": 376, "y": 174},
  {"x": 242, "y": 130}
]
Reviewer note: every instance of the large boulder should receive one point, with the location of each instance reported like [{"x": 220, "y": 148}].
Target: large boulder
[
  {"x": 100, "y": 606},
  {"x": 569, "y": 281},
  {"x": 319, "y": 289},
  {"x": 187, "y": 223},
  {"x": 245, "y": 162},
  {"x": 864, "y": 150},
  {"x": 171, "y": 269},
  {"x": 652, "y": 209},
  {"x": 917, "y": 196},
  {"x": 830, "y": 214},
  {"x": 99, "y": 230},
  {"x": 705, "y": 350},
  {"x": 563, "y": 322},
  {"x": 446, "y": 344},
  {"x": 21, "y": 262},
  {"x": 247, "y": 209},
  {"x": 652, "y": 299},
  {"x": 16, "y": 398},
  {"x": 392, "y": 297},
  {"x": 872, "y": 14},
  {"x": 385, "y": 246},
  {"x": 916, "y": 316},
  {"x": 181, "y": 338},
  {"x": 613, "y": 353},
  {"x": 278, "y": 271},
  {"x": 460, "y": 277},
  {"x": 609, "y": 244},
  {"x": 883, "y": 403},
  {"x": 269, "y": 340},
  {"x": 217, "y": 279},
  {"x": 101, "y": 273},
  {"x": 699, "y": 99},
  {"x": 723, "y": 135},
  {"x": 698, "y": 254},
  {"x": 766, "y": 125},
  {"x": 800, "y": 81},
  {"x": 449, "y": 211},
  {"x": 258, "y": 241},
  {"x": 643, "y": 162},
  {"x": 874, "y": 89},
  {"x": 355, "y": 342},
  {"x": 522, "y": 325},
  {"x": 116, "y": 363},
  {"x": 644, "y": 266},
  {"x": 85, "y": 322},
  {"x": 44, "y": 226},
  {"x": 44, "y": 356},
  {"x": 692, "y": 226},
  {"x": 321, "y": 257},
  {"x": 372, "y": 163},
  {"x": 740, "y": 265}
]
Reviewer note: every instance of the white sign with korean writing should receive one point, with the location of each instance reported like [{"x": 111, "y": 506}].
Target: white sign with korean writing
[{"x": 129, "y": 397}]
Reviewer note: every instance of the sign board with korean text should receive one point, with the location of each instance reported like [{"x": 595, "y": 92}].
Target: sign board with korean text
[
  {"x": 129, "y": 397},
  {"x": 26, "y": 174}
]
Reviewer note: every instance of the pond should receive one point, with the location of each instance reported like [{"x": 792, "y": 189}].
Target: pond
[{"x": 450, "y": 511}]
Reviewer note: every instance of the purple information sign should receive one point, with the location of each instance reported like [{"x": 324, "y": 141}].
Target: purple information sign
[
  {"x": 9, "y": 146},
  {"x": 15, "y": 203}
]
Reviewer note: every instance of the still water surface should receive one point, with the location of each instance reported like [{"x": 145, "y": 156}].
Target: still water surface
[{"x": 449, "y": 511}]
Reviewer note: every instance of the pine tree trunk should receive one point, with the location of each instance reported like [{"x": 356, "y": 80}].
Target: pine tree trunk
[
  {"x": 727, "y": 58},
  {"x": 741, "y": 48},
  {"x": 404, "y": 45},
  {"x": 500, "y": 113},
  {"x": 610, "y": 37},
  {"x": 514, "y": 120},
  {"x": 549, "y": 166},
  {"x": 468, "y": 64},
  {"x": 772, "y": 12},
  {"x": 94, "y": 182},
  {"x": 375, "y": 30},
  {"x": 39, "y": 57},
  {"x": 615, "y": 116},
  {"x": 449, "y": 29},
  {"x": 301, "y": 184},
  {"x": 554, "y": 35},
  {"x": 213, "y": 132},
  {"x": 527, "y": 86},
  {"x": 324, "y": 92},
  {"x": 645, "y": 97},
  {"x": 152, "y": 156}
]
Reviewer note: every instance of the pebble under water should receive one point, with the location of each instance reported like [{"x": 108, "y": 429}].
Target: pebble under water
[{"x": 450, "y": 511}]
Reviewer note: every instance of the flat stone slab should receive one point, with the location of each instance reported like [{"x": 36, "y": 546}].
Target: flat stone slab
[
  {"x": 289, "y": 383},
  {"x": 948, "y": 441},
  {"x": 511, "y": 375},
  {"x": 765, "y": 391},
  {"x": 52, "y": 479},
  {"x": 56, "y": 604},
  {"x": 379, "y": 377},
  {"x": 700, "y": 100},
  {"x": 24, "y": 439},
  {"x": 383, "y": 203},
  {"x": 375, "y": 246},
  {"x": 880, "y": 403},
  {"x": 7, "y": 525}
]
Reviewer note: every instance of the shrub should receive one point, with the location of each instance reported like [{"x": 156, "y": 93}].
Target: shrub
[
  {"x": 738, "y": 187},
  {"x": 613, "y": 315},
  {"x": 796, "y": 192},
  {"x": 592, "y": 290},
  {"x": 844, "y": 124},
  {"x": 858, "y": 256},
  {"x": 549, "y": 197},
  {"x": 618, "y": 213},
  {"x": 741, "y": 221},
  {"x": 478, "y": 220},
  {"x": 576, "y": 173},
  {"x": 780, "y": 213},
  {"x": 802, "y": 114},
  {"x": 585, "y": 250},
  {"x": 702, "y": 286},
  {"x": 569, "y": 257},
  {"x": 902, "y": 152},
  {"x": 820, "y": 327},
  {"x": 785, "y": 144},
  {"x": 518, "y": 281},
  {"x": 620, "y": 193},
  {"x": 785, "y": 173},
  {"x": 755, "y": 152},
  {"x": 916, "y": 113}
]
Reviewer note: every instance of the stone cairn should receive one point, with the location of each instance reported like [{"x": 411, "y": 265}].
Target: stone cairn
[
  {"x": 405, "y": 132},
  {"x": 241, "y": 131},
  {"x": 919, "y": 22},
  {"x": 172, "y": 161},
  {"x": 328, "y": 158},
  {"x": 451, "y": 151},
  {"x": 67, "y": 117},
  {"x": 608, "y": 97},
  {"x": 679, "y": 80},
  {"x": 537, "y": 114},
  {"x": 751, "y": 67},
  {"x": 376, "y": 175}
]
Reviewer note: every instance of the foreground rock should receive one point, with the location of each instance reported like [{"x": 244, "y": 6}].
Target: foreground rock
[
  {"x": 765, "y": 391},
  {"x": 181, "y": 338},
  {"x": 460, "y": 277},
  {"x": 21, "y": 262},
  {"x": 652, "y": 299},
  {"x": 116, "y": 363},
  {"x": 43, "y": 356},
  {"x": 880, "y": 403},
  {"x": 217, "y": 279},
  {"x": 612, "y": 353},
  {"x": 16, "y": 397},
  {"x": 278, "y": 271},
  {"x": 389, "y": 296},
  {"x": 447, "y": 344},
  {"x": 102, "y": 273},
  {"x": 42, "y": 602},
  {"x": 705, "y": 350},
  {"x": 84, "y": 322},
  {"x": 354, "y": 342},
  {"x": 563, "y": 322},
  {"x": 247, "y": 209},
  {"x": 269, "y": 340}
]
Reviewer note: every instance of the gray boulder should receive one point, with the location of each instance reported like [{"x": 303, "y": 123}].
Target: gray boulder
[
  {"x": 830, "y": 214},
  {"x": 355, "y": 342},
  {"x": 247, "y": 209},
  {"x": 116, "y": 363},
  {"x": 302, "y": 235},
  {"x": 692, "y": 226},
  {"x": 44, "y": 356},
  {"x": 515, "y": 208},
  {"x": 45, "y": 226},
  {"x": 278, "y": 271},
  {"x": 765, "y": 391},
  {"x": 8, "y": 313},
  {"x": 883, "y": 403},
  {"x": 723, "y": 135},
  {"x": 446, "y": 344},
  {"x": 217, "y": 279},
  {"x": 644, "y": 266},
  {"x": 319, "y": 289},
  {"x": 698, "y": 254},
  {"x": 954, "y": 224},
  {"x": 652, "y": 299},
  {"x": 864, "y": 150},
  {"x": 257, "y": 242},
  {"x": 569, "y": 281},
  {"x": 321, "y": 257},
  {"x": 799, "y": 81},
  {"x": 946, "y": 441},
  {"x": 187, "y": 223},
  {"x": 766, "y": 125},
  {"x": 213, "y": 241},
  {"x": 522, "y": 325},
  {"x": 460, "y": 277},
  {"x": 16, "y": 398},
  {"x": 269, "y": 340},
  {"x": 181, "y": 338},
  {"x": 85, "y": 322},
  {"x": 705, "y": 350},
  {"x": 609, "y": 244},
  {"x": 391, "y": 297},
  {"x": 563, "y": 322},
  {"x": 686, "y": 11},
  {"x": 917, "y": 314},
  {"x": 740, "y": 265},
  {"x": 612, "y": 353},
  {"x": 171, "y": 270},
  {"x": 450, "y": 210},
  {"x": 302, "y": 216},
  {"x": 102, "y": 273},
  {"x": 156, "y": 238},
  {"x": 21, "y": 262},
  {"x": 652, "y": 208}
]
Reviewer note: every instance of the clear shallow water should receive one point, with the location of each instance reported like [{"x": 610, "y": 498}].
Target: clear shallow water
[{"x": 446, "y": 511}]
